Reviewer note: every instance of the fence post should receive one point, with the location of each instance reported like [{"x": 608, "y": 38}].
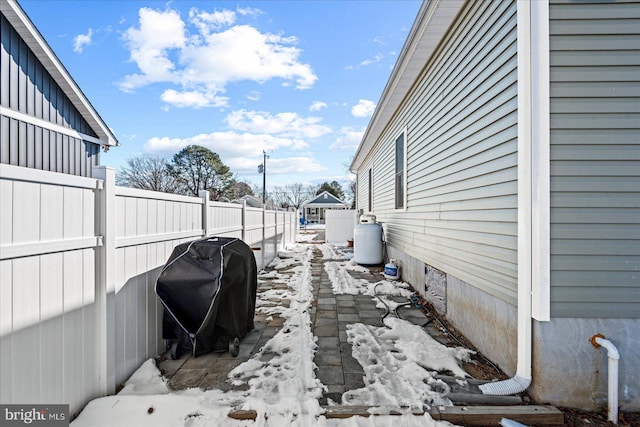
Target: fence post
[
  {"x": 244, "y": 220},
  {"x": 264, "y": 234},
  {"x": 275, "y": 233},
  {"x": 105, "y": 277},
  {"x": 204, "y": 195}
]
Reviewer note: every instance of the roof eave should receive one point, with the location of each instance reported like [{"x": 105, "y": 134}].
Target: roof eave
[
  {"x": 432, "y": 23},
  {"x": 41, "y": 49}
]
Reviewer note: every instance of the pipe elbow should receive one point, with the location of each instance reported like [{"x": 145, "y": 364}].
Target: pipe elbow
[{"x": 599, "y": 340}]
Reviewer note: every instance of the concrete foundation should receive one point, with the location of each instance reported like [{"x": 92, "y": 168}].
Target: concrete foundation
[{"x": 567, "y": 370}]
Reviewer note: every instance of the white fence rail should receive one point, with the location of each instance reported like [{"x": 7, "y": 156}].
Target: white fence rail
[{"x": 78, "y": 262}]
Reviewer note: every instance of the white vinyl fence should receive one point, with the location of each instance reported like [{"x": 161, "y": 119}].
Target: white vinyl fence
[{"x": 78, "y": 262}]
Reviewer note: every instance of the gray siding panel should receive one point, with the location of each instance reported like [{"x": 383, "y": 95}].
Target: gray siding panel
[
  {"x": 461, "y": 122},
  {"x": 26, "y": 87},
  {"x": 595, "y": 159}
]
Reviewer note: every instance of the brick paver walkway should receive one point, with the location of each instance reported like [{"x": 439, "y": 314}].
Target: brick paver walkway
[{"x": 330, "y": 315}]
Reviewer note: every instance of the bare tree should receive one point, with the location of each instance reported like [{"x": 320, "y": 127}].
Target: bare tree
[
  {"x": 241, "y": 188},
  {"x": 351, "y": 192},
  {"x": 292, "y": 195},
  {"x": 147, "y": 172},
  {"x": 280, "y": 196}
]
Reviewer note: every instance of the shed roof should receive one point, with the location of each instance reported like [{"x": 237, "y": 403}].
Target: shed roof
[
  {"x": 41, "y": 49},
  {"x": 324, "y": 199},
  {"x": 432, "y": 23}
]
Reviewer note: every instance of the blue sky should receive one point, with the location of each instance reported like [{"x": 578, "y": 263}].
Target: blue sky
[{"x": 298, "y": 79}]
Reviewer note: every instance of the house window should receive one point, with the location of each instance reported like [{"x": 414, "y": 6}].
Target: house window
[
  {"x": 370, "y": 190},
  {"x": 401, "y": 170}
]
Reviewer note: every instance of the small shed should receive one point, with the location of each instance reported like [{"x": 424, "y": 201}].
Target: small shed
[{"x": 314, "y": 210}]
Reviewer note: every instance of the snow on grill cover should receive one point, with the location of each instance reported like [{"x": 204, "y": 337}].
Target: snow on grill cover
[{"x": 208, "y": 289}]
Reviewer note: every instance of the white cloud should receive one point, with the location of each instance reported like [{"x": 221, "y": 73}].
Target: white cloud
[
  {"x": 282, "y": 124},
  {"x": 249, "y": 11},
  {"x": 278, "y": 166},
  {"x": 82, "y": 40},
  {"x": 242, "y": 152},
  {"x": 364, "y": 108},
  {"x": 377, "y": 58},
  {"x": 227, "y": 144},
  {"x": 193, "y": 99},
  {"x": 244, "y": 53},
  {"x": 210, "y": 21},
  {"x": 253, "y": 96},
  {"x": 348, "y": 140},
  {"x": 149, "y": 46},
  {"x": 217, "y": 52},
  {"x": 317, "y": 106}
]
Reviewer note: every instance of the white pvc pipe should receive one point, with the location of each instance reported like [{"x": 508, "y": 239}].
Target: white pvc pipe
[{"x": 612, "y": 393}]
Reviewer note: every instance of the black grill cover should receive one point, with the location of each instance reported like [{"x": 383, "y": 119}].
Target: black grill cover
[{"x": 208, "y": 289}]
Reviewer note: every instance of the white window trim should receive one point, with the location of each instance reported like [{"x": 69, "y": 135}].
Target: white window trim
[{"x": 404, "y": 172}]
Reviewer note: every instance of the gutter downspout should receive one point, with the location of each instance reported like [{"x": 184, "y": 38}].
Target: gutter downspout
[
  {"x": 533, "y": 186},
  {"x": 612, "y": 391}
]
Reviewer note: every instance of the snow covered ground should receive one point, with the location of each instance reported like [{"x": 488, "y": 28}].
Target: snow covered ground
[{"x": 280, "y": 384}]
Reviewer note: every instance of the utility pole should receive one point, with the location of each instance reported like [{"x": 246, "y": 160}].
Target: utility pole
[{"x": 263, "y": 169}]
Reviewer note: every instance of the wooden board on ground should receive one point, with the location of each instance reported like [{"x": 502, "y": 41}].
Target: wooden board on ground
[{"x": 467, "y": 415}]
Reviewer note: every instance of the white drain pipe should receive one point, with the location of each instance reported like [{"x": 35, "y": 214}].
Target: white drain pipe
[{"x": 597, "y": 341}]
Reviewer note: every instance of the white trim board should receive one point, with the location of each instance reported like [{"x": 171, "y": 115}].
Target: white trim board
[{"x": 11, "y": 113}]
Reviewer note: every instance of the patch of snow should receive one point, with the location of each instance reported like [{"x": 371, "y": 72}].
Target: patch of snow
[
  {"x": 270, "y": 275},
  {"x": 396, "y": 360},
  {"x": 282, "y": 386},
  {"x": 281, "y": 264},
  {"x": 354, "y": 266},
  {"x": 342, "y": 282},
  {"x": 146, "y": 380},
  {"x": 328, "y": 252},
  {"x": 302, "y": 238}
]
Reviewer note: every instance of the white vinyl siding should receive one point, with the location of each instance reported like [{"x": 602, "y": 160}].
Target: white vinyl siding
[
  {"x": 461, "y": 184},
  {"x": 595, "y": 159}
]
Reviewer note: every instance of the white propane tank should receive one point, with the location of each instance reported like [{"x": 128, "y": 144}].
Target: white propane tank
[
  {"x": 367, "y": 241},
  {"x": 392, "y": 270}
]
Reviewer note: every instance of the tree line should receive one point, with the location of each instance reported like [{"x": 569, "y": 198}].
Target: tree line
[{"x": 196, "y": 168}]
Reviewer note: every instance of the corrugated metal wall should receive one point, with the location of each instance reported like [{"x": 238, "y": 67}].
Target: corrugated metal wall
[
  {"x": 26, "y": 87},
  {"x": 595, "y": 159},
  {"x": 461, "y": 214}
]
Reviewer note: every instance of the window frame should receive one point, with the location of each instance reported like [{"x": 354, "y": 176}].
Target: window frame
[{"x": 400, "y": 173}]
